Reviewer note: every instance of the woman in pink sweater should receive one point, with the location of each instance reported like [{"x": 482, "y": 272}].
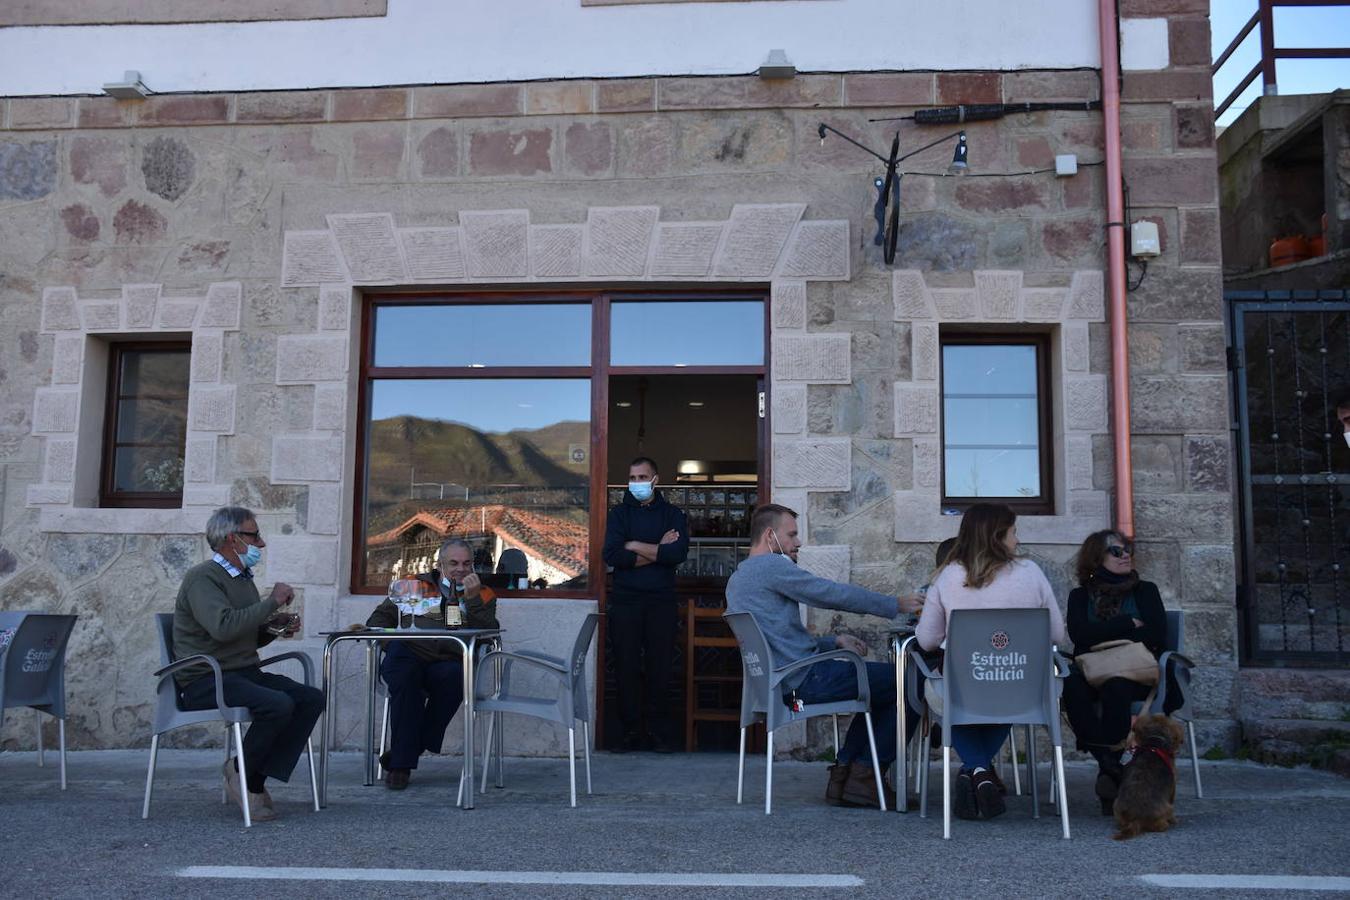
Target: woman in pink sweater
[{"x": 982, "y": 572}]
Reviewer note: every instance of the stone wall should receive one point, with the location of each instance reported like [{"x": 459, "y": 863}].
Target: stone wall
[{"x": 254, "y": 222}]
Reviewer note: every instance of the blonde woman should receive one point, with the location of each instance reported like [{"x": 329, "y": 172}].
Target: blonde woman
[{"x": 982, "y": 571}]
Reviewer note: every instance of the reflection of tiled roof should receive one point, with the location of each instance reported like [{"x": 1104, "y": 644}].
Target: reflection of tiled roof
[{"x": 558, "y": 542}]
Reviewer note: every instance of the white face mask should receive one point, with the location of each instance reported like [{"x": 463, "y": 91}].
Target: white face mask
[{"x": 779, "y": 552}]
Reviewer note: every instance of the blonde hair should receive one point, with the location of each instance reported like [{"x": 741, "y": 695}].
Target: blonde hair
[{"x": 979, "y": 544}]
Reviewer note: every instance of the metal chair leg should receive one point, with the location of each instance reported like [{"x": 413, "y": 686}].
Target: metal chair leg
[
  {"x": 223, "y": 798},
  {"x": 243, "y": 786},
  {"x": 585, "y": 752},
  {"x": 384, "y": 735},
  {"x": 946, "y": 789},
  {"x": 835, "y": 720},
  {"x": 876, "y": 764},
  {"x": 1195, "y": 760},
  {"x": 768, "y": 772},
  {"x": 501, "y": 744},
  {"x": 571, "y": 762},
  {"x": 740, "y": 769},
  {"x": 1012, "y": 761},
  {"x": 487, "y": 751},
  {"x": 61, "y": 737},
  {"x": 150, "y": 776},
  {"x": 924, "y": 763},
  {"x": 42, "y": 751},
  {"x": 1063, "y": 798},
  {"x": 1033, "y": 778},
  {"x": 313, "y": 774}
]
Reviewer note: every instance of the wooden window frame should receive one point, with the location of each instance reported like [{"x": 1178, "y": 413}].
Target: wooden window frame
[
  {"x": 1044, "y": 504},
  {"x": 598, "y": 372},
  {"x": 108, "y": 496}
]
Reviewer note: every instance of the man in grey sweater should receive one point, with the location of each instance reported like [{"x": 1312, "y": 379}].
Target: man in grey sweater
[
  {"x": 771, "y": 587},
  {"x": 219, "y": 613}
]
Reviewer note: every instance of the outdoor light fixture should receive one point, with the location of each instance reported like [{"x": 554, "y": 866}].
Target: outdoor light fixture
[
  {"x": 960, "y": 163},
  {"x": 776, "y": 66},
  {"x": 888, "y": 188},
  {"x": 129, "y": 88}
]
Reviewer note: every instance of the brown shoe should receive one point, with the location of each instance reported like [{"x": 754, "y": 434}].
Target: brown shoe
[
  {"x": 258, "y": 810},
  {"x": 988, "y": 800},
  {"x": 860, "y": 788},
  {"x": 1002, "y": 788},
  {"x": 397, "y": 779},
  {"x": 834, "y": 790}
]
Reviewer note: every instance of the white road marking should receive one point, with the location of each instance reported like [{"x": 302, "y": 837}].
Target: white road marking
[
  {"x": 1251, "y": 882},
  {"x": 457, "y": 876}
]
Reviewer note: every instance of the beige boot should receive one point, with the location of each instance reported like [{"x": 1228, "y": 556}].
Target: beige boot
[{"x": 258, "y": 809}]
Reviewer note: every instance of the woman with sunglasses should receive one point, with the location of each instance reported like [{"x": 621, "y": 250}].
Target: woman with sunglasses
[{"x": 1111, "y": 603}]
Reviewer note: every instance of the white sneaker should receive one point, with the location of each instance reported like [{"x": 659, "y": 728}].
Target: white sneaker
[
  {"x": 258, "y": 808},
  {"x": 231, "y": 776}
]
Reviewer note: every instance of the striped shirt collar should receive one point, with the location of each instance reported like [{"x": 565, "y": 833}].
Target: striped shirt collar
[{"x": 230, "y": 567}]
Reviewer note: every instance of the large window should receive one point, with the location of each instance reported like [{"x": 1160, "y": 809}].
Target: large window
[
  {"x": 996, "y": 422},
  {"x": 145, "y": 426},
  {"x": 480, "y": 421}
]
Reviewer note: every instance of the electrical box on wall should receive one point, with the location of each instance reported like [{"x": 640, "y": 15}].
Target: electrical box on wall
[{"x": 1144, "y": 241}]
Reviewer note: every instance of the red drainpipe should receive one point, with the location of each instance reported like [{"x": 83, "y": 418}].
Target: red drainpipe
[{"x": 1115, "y": 268}]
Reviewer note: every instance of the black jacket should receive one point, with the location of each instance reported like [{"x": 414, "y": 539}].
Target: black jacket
[
  {"x": 1086, "y": 630},
  {"x": 479, "y": 612},
  {"x": 631, "y": 521}
]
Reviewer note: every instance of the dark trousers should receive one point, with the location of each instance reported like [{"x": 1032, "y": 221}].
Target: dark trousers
[
  {"x": 642, "y": 640},
  {"x": 423, "y": 697},
  {"x": 1100, "y": 717},
  {"x": 835, "y": 679},
  {"x": 284, "y": 713}
]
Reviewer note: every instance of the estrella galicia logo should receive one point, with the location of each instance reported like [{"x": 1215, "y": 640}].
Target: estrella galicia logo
[{"x": 999, "y": 640}]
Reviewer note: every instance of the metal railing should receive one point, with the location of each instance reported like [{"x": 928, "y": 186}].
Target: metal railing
[{"x": 1264, "y": 17}]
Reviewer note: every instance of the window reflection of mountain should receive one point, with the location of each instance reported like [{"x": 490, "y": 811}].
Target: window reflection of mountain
[
  {"x": 554, "y": 544},
  {"x": 525, "y": 467}
]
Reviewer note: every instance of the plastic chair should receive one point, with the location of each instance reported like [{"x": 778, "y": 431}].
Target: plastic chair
[
  {"x": 762, "y": 699},
  {"x": 570, "y": 703},
  {"x": 169, "y": 712},
  {"x": 1023, "y": 691},
  {"x": 1173, "y": 666},
  {"x": 33, "y": 670}
]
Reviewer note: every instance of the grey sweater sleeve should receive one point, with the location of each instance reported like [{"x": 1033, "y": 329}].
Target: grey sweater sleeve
[{"x": 822, "y": 593}]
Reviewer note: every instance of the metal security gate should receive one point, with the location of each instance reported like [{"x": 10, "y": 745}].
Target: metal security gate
[{"x": 1290, "y": 357}]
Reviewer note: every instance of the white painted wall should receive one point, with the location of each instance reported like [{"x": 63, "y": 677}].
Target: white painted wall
[{"x": 454, "y": 41}]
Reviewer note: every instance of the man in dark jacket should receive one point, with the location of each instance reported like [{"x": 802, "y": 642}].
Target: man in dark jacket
[
  {"x": 646, "y": 538},
  {"x": 426, "y": 678}
]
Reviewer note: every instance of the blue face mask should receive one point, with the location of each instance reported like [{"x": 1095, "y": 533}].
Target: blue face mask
[
  {"x": 252, "y": 556},
  {"x": 641, "y": 490}
]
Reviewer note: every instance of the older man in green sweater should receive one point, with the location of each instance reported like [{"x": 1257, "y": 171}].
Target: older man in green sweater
[{"x": 219, "y": 613}]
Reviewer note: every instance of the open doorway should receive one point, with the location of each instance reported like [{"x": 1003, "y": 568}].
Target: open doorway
[{"x": 705, "y": 434}]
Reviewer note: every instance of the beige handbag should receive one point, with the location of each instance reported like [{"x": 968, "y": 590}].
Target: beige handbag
[{"x": 1118, "y": 659}]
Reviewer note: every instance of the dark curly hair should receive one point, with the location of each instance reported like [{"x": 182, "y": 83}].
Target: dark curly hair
[{"x": 1093, "y": 552}]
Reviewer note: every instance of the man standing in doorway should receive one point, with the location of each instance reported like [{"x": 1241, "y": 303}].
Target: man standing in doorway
[{"x": 646, "y": 538}]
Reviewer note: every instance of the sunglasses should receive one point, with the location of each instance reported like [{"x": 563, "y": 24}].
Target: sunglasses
[{"x": 1121, "y": 552}]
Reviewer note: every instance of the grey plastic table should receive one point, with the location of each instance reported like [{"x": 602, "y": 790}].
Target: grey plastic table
[
  {"x": 901, "y": 637},
  {"x": 468, "y": 640}
]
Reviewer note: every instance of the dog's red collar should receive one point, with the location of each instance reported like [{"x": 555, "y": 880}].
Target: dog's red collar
[{"x": 1165, "y": 755}]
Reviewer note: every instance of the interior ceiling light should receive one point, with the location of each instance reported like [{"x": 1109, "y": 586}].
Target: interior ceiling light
[
  {"x": 624, "y": 404},
  {"x": 696, "y": 403},
  {"x": 129, "y": 88}
]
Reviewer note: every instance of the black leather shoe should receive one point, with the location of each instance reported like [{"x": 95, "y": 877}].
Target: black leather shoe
[
  {"x": 988, "y": 800},
  {"x": 963, "y": 797}
]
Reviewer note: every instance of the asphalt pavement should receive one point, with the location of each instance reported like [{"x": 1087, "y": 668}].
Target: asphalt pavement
[{"x": 656, "y": 826}]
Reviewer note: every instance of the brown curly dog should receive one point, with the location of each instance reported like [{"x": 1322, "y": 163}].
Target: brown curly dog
[{"x": 1148, "y": 787}]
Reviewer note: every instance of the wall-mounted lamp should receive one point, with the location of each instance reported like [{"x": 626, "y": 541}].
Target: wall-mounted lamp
[
  {"x": 129, "y": 88},
  {"x": 776, "y": 66},
  {"x": 888, "y": 188},
  {"x": 960, "y": 161}
]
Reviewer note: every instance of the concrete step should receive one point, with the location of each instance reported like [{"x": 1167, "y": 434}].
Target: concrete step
[
  {"x": 1293, "y": 694},
  {"x": 1322, "y": 743}
]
